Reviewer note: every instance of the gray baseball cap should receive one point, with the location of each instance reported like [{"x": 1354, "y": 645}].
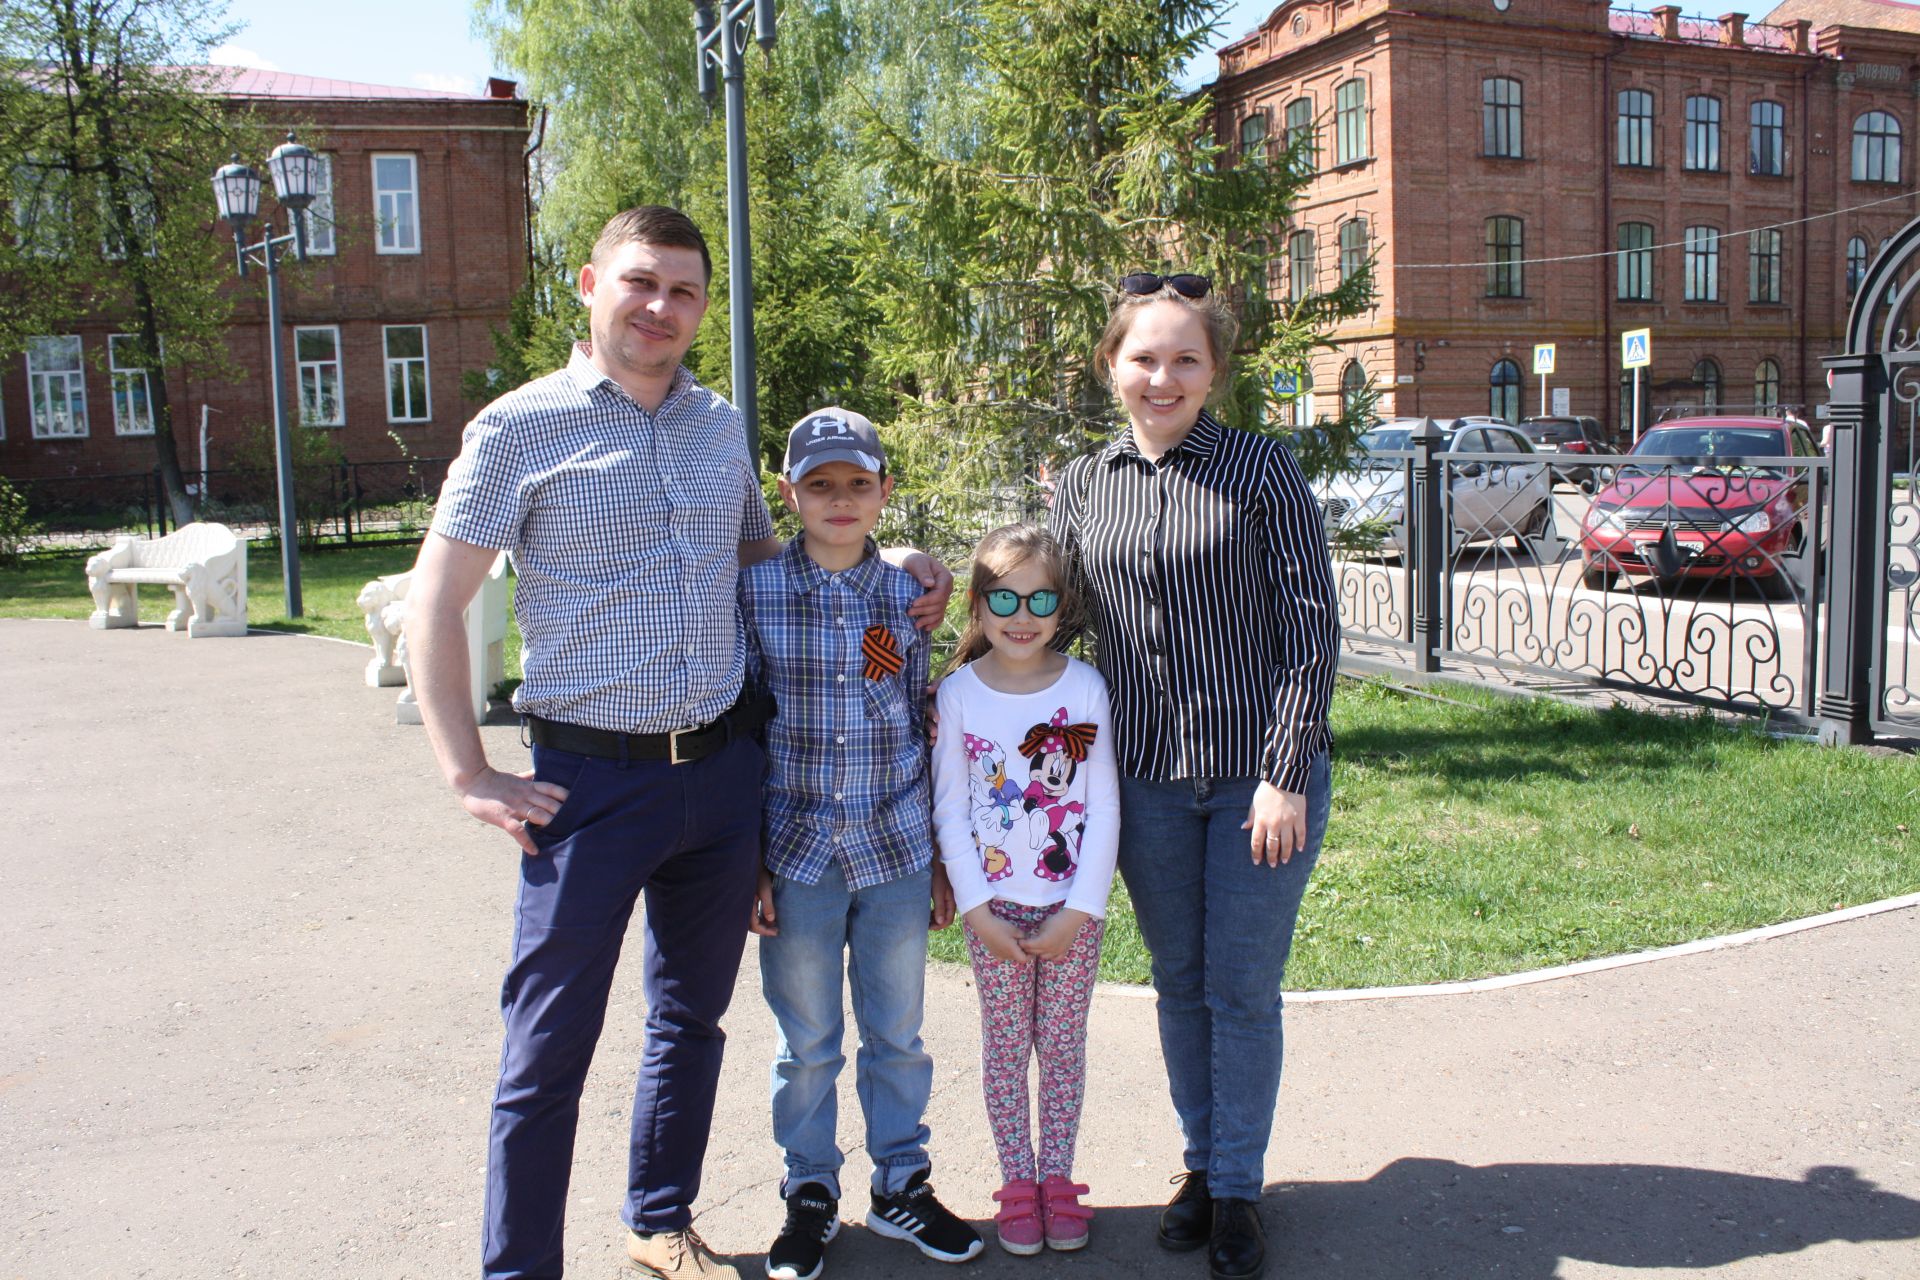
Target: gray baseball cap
[{"x": 833, "y": 435}]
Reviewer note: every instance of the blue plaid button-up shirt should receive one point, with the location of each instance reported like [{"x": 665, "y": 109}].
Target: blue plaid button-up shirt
[
  {"x": 625, "y": 528},
  {"x": 847, "y": 755}
]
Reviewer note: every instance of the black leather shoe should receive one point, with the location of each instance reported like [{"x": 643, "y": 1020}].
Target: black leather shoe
[
  {"x": 1187, "y": 1222},
  {"x": 1238, "y": 1247}
]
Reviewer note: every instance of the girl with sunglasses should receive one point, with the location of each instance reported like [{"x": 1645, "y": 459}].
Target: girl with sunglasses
[
  {"x": 1026, "y": 811},
  {"x": 1212, "y": 610}
]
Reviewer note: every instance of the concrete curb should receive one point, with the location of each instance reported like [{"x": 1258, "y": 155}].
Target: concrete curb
[{"x": 1503, "y": 981}]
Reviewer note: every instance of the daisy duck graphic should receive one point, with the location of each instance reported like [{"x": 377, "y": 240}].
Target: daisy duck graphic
[
  {"x": 1054, "y": 750},
  {"x": 996, "y": 804}
]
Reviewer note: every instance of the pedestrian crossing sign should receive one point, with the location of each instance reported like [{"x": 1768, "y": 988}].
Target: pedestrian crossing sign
[
  {"x": 1543, "y": 358},
  {"x": 1286, "y": 383},
  {"x": 1636, "y": 348}
]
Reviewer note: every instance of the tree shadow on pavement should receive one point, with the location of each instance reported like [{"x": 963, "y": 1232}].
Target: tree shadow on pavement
[
  {"x": 1426, "y": 1219},
  {"x": 1433, "y": 1218}
]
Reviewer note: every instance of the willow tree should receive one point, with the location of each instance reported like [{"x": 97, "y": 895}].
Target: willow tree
[
  {"x": 1088, "y": 160},
  {"x": 110, "y": 136}
]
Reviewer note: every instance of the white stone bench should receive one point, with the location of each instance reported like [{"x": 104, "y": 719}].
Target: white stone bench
[
  {"x": 205, "y": 565},
  {"x": 384, "y": 601}
]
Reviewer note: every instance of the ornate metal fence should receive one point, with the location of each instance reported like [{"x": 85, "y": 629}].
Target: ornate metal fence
[
  {"x": 1871, "y": 679},
  {"x": 1695, "y": 578}
]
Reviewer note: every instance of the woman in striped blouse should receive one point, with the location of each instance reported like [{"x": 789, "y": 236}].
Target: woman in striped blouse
[{"x": 1216, "y": 626}]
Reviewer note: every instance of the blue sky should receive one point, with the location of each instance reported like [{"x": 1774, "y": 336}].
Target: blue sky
[{"x": 429, "y": 44}]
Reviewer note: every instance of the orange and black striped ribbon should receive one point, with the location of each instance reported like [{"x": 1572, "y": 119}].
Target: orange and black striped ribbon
[{"x": 882, "y": 653}]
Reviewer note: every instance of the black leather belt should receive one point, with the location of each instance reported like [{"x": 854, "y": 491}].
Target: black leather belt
[{"x": 682, "y": 746}]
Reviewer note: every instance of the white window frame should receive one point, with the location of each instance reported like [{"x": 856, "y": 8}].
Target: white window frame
[
  {"x": 127, "y": 421},
  {"x": 1351, "y": 137},
  {"x": 391, "y": 362},
  {"x": 390, "y": 229},
  {"x": 311, "y": 375},
  {"x": 321, "y": 240},
  {"x": 40, "y": 383}
]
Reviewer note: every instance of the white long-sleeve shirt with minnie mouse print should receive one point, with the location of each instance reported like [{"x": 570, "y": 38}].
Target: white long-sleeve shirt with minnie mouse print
[{"x": 1026, "y": 798}]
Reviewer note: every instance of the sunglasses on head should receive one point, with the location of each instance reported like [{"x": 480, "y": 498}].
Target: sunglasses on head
[
  {"x": 1141, "y": 283},
  {"x": 1002, "y": 603}
]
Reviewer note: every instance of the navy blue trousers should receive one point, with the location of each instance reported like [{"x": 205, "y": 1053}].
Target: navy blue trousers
[{"x": 688, "y": 836}]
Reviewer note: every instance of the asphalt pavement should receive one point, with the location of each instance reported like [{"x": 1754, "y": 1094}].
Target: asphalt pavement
[{"x": 251, "y": 1028}]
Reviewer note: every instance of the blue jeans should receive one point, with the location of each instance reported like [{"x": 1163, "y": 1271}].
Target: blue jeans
[
  {"x": 1219, "y": 928},
  {"x": 879, "y": 936}
]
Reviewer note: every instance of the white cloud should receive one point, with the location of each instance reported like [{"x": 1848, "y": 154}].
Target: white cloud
[
  {"x": 232, "y": 55},
  {"x": 444, "y": 82}
]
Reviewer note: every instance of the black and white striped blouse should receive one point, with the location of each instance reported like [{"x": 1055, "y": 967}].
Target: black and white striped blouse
[{"x": 1212, "y": 604}]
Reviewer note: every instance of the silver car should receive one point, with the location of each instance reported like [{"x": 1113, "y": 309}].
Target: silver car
[{"x": 1488, "y": 500}]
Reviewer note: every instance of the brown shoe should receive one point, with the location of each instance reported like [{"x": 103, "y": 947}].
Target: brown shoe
[{"x": 676, "y": 1255}]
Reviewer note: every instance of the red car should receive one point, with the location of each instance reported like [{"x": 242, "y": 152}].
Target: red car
[{"x": 1681, "y": 513}]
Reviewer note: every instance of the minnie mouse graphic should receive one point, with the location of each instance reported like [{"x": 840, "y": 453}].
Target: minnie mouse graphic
[{"x": 1054, "y": 750}]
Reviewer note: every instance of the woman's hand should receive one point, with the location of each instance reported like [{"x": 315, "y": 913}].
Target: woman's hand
[
  {"x": 996, "y": 935},
  {"x": 1278, "y": 820},
  {"x": 1056, "y": 936},
  {"x": 763, "y": 918}
]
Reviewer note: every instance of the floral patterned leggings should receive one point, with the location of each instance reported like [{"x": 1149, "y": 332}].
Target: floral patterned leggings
[{"x": 1024, "y": 1008}]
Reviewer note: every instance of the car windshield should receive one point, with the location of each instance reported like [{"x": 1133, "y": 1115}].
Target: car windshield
[
  {"x": 1711, "y": 442},
  {"x": 1392, "y": 438},
  {"x": 1537, "y": 431}
]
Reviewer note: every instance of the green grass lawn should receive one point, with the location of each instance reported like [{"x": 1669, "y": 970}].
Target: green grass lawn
[{"x": 1469, "y": 837}]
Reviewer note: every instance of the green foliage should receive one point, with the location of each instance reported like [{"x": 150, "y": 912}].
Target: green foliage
[
  {"x": 543, "y": 322},
  {"x": 109, "y": 134},
  {"x": 996, "y": 261},
  {"x": 17, "y": 527}
]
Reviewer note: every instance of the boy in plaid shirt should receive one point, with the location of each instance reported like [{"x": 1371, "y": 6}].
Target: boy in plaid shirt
[{"x": 849, "y": 847}]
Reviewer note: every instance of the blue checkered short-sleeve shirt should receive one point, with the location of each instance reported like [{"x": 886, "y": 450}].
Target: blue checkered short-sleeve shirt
[{"x": 624, "y": 527}]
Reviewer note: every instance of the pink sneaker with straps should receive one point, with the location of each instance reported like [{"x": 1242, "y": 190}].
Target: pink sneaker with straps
[
  {"x": 1065, "y": 1217},
  {"x": 1019, "y": 1217}
]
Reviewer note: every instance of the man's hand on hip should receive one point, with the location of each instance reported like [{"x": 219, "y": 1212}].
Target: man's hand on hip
[{"x": 512, "y": 802}]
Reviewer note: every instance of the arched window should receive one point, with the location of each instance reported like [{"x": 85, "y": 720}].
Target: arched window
[
  {"x": 1253, "y": 138},
  {"x": 1634, "y": 129},
  {"x": 1703, "y": 133},
  {"x": 1876, "y": 148},
  {"x": 1350, "y": 122},
  {"x": 1766, "y": 139},
  {"x": 1500, "y": 117},
  {"x": 1634, "y": 266},
  {"x": 1503, "y": 391},
  {"x": 1299, "y": 265},
  {"x": 1353, "y": 248},
  {"x": 1706, "y": 376},
  {"x": 1766, "y": 385},
  {"x": 1763, "y": 266},
  {"x": 1506, "y": 246},
  {"x": 1856, "y": 264},
  {"x": 1303, "y": 400},
  {"x": 1300, "y": 135},
  {"x": 1353, "y": 388},
  {"x": 1702, "y": 262}
]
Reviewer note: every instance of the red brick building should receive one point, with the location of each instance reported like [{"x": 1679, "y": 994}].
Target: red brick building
[
  {"x": 421, "y": 245},
  {"x": 1558, "y": 171}
]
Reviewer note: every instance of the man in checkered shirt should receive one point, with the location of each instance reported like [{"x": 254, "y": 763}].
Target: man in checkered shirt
[{"x": 625, "y": 493}]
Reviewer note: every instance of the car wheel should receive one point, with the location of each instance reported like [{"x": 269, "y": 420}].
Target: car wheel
[
  {"x": 1775, "y": 586},
  {"x": 1532, "y": 527},
  {"x": 1596, "y": 577}
]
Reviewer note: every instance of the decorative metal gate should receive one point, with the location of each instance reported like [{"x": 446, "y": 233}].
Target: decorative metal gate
[{"x": 1871, "y": 679}]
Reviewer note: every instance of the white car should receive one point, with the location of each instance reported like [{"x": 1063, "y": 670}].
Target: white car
[{"x": 1488, "y": 500}]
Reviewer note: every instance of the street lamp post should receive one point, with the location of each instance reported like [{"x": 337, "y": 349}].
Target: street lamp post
[
  {"x": 723, "y": 42},
  {"x": 236, "y": 190}
]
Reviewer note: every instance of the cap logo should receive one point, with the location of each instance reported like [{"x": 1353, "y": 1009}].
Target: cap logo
[{"x": 831, "y": 428}]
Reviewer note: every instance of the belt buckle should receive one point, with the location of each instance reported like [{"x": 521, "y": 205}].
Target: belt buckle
[{"x": 673, "y": 746}]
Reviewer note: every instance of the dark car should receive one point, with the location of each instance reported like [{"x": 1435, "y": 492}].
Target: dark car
[
  {"x": 1674, "y": 509},
  {"x": 1569, "y": 439}
]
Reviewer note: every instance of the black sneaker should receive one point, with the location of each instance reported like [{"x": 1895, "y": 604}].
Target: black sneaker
[
  {"x": 813, "y": 1218},
  {"x": 912, "y": 1214}
]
